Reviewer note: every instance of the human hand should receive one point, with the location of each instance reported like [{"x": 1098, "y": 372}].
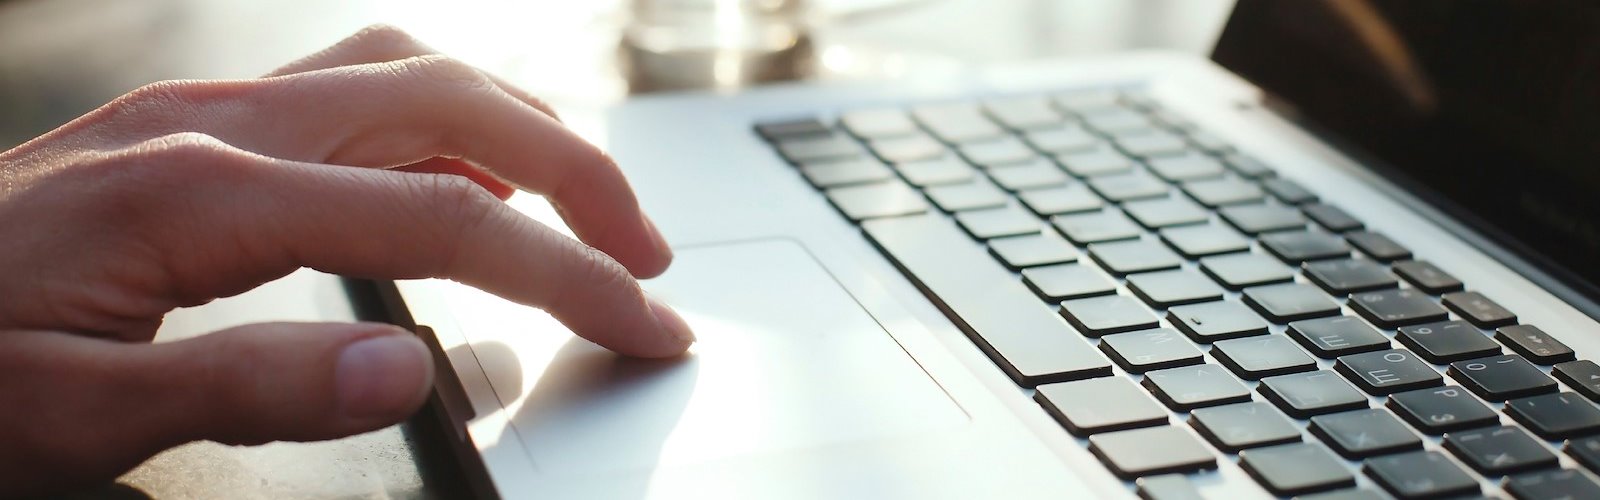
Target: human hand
[{"x": 182, "y": 192}]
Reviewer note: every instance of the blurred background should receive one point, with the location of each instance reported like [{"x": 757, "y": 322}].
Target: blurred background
[{"x": 61, "y": 58}]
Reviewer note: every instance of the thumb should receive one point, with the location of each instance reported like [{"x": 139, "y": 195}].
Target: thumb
[
  {"x": 289, "y": 381},
  {"x": 87, "y": 409}
]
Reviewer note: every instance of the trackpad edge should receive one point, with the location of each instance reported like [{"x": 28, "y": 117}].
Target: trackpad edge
[{"x": 786, "y": 360}]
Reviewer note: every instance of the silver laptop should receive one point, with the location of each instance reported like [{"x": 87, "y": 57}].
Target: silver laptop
[{"x": 1353, "y": 254}]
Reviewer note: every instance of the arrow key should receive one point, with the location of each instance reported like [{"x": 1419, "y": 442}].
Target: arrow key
[{"x": 1582, "y": 376}]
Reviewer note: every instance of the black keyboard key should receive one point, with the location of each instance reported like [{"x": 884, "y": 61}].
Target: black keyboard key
[
  {"x": 1067, "y": 281},
  {"x": 1127, "y": 187},
  {"x": 1195, "y": 242},
  {"x": 1377, "y": 246},
  {"x": 1426, "y": 277},
  {"x": 1096, "y": 316},
  {"x": 1300, "y": 246},
  {"x": 1287, "y": 302},
  {"x": 1498, "y": 378},
  {"x": 1586, "y": 451},
  {"x": 1262, "y": 356},
  {"x": 1244, "y": 425},
  {"x": 1072, "y": 198},
  {"x": 1063, "y": 140},
  {"x": 1147, "y": 452},
  {"x": 878, "y": 123},
  {"x": 1098, "y": 405},
  {"x": 1420, "y": 474},
  {"x": 1024, "y": 113},
  {"x": 1248, "y": 166},
  {"x": 1097, "y": 162},
  {"x": 1329, "y": 338},
  {"x": 1442, "y": 409},
  {"x": 1556, "y": 416},
  {"x": 1117, "y": 120},
  {"x": 1171, "y": 288},
  {"x": 1534, "y": 344},
  {"x": 1188, "y": 387},
  {"x": 1010, "y": 220},
  {"x": 1257, "y": 219},
  {"x": 819, "y": 148},
  {"x": 1564, "y": 484},
  {"x": 910, "y": 148},
  {"x": 1152, "y": 349},
  {"x": 1351, "y": 494},
  {"x": 1134, "y": 256},
  {"x": 1037, "y": 174},
  {"x": 1029, "y": 343},
  {"x": 1302, "y": 395},
  {"x": 871, "y": 201},
  {"x": 1018, "y": 252},
  {"x": 1582, "y": 376},
  {"x": 1166, "y": 487},
  {"x": 1447, "y": 341},
  {"x": 1479, "y": 309},
  {"x": 1213, "y": 321},
  {"x": 787, "y": 129},
  {"x": 993, "y": 154},
  {"x": 1396, "y": 308},
  {"x": 1095, "y": 227},
  {"x": 1210, "y": 142},
  {"x": 936, "y": 172},
  {"x": 1497, "y": 451},
  {"x": 1089, "y": 100},
  {"x": 1186, "y": 167},
  {"x": 1364, "y": 433},
  {"x": 1388, "y": 371},
  {"x": 829, "y": 174},
  {"x": 1165, "y": 212},
  {"x": 1296, "y": 469},
  {"x": 957, "y": 123},
  {"x": 1159, "y": 143},
  {"x": 1288, "y": 191},
  {"x": 1238, "y": 271},
  {"x": 1225, "y": 191},
  {"x": 976, "y": 195},
  {"x": 1331, "y": 217},
  {"x": 1347, "y": 276}
]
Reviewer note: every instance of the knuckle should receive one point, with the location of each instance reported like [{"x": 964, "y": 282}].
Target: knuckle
[
  {"x": 187, "y": 157},
  {"x": 593, "y": 270},
  {"x": 458, "y": 198},
  {"x": 383, "y": 37},
  {"x": 444, "y": 71},
  {"x": 458, "y": 209},
  {"x": 175, "y": 93}
]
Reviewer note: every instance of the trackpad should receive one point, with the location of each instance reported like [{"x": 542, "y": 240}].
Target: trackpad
[{"x": 786, "y": 360}]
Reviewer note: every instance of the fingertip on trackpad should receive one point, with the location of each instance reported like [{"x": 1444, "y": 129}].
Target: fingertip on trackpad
[{"x": 786, "y": 359}]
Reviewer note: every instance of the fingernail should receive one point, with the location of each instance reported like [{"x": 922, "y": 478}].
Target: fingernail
[
  {"x": 383, "y": 376},
  {"x": 671, "y": 321}
]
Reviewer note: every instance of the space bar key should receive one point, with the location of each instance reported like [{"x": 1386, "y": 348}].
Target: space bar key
[{"x": 1030, "y": 342}]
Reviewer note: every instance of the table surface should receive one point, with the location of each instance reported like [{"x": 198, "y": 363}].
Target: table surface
[{"x": 61, "y": 58}]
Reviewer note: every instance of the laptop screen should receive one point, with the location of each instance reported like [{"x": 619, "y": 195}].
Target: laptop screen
[{"x": 1489, "y": 109}]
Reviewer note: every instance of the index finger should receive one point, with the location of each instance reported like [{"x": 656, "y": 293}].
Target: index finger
[
  {"x": 265, "y": 217},
  {"x": 401, "y": 112}
]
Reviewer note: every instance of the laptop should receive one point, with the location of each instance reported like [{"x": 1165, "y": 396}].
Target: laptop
[{"x": 1351, "y": 255}]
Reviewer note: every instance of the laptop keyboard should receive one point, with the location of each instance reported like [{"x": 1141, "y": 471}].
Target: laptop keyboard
[{"x": 1217, "y": 312}]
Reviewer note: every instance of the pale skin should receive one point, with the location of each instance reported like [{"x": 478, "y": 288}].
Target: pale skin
[{"x": 375, "y": 158}]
